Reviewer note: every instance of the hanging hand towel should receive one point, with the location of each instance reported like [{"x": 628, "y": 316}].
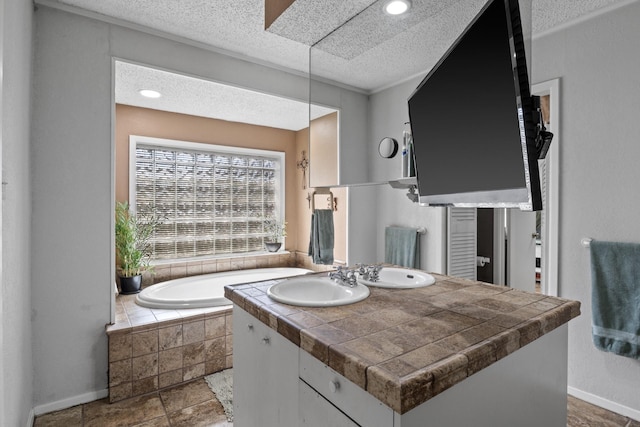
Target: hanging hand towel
[
  {"x": 401, "y": 247},
  {"x": 615, "y": 297},
  {"x": 321, "y": 240}
]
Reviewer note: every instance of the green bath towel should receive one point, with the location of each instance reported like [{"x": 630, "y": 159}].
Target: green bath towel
[
  {"x": 321, "y": 240},
  {"x": 615, "y": 297},
  {"x": 401, "y": 247}
]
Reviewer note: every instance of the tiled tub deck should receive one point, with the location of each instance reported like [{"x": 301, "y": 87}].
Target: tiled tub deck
[
  {"x": 152, "y": 349},
  {"x": 156, "y": 349}
]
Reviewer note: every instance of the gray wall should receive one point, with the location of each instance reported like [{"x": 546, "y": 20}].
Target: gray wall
[
  {"x": 72, "y": 201},
  {"x": 72, "y": 205},
  {"x": 72, "y": 182},
  {"x": 599, "y": 67},
  {"x": 15, "y": 293},
  {"x": 388, "y": 113}
]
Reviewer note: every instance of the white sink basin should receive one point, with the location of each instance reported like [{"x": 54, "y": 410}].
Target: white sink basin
[
  {"x": 316, "y": 292},
  {"x": 400, "y": 278}
]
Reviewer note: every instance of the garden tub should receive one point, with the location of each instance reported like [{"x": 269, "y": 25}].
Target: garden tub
[{"x": 206, "y": 290}]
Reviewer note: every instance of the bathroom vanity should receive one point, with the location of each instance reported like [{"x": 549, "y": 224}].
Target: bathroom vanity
[{"x": 451, "y": 354}]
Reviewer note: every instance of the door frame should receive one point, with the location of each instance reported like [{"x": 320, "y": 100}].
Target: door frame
[{"x": 549, "y": 259}]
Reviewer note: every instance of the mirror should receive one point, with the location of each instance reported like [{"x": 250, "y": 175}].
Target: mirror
[
  {"x": 368, "y": 68},
  {"x": 388, "y": 148}
]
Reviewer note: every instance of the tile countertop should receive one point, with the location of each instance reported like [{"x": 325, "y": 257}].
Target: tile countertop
[{"x": 404, "y": 346}]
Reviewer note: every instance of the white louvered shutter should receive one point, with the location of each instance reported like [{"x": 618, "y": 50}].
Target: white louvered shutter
[{"x": 461, "y": 242}]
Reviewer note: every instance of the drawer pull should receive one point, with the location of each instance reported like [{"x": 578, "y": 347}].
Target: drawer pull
[
  {"x": 334, "y": 386},
  {"x": 250, "y": 326},
  {"x": 266, "y": 340}
]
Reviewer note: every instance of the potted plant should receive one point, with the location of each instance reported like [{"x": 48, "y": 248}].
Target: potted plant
[
  {"x": 133, "y": 246},
  {"x": 276, "y": 230}
]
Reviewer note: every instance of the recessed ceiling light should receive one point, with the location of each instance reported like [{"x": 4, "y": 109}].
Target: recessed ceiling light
[
  {"x": 397, "y": 7},
  {"x": 150, "y": 93}
]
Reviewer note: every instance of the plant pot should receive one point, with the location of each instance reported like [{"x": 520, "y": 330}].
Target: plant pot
[
  {"x": 130, "y": 285},
  {"x": 273, "y": 246}
]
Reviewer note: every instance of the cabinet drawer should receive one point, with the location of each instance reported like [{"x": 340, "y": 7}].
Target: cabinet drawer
[
  {"x": 359, "y": 405},
  {"x": 316, "y": 411}
]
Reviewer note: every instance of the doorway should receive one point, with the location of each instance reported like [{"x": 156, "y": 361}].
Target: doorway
[
  {"x": 523, "y": 246},
  {"x": 550, "y": 184}
]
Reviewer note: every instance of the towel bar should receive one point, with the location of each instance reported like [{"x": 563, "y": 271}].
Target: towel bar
[
  {"x": 586, "y": 242},
  {"x": 420, "y": 230},
  {"x": 333, "y": 201}
]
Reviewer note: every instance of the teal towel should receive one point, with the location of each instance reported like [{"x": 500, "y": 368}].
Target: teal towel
[
  {"x": 615, "y": 297},
  {"x": 401, "y": 247},
  {"x": 321, "y": 240}
]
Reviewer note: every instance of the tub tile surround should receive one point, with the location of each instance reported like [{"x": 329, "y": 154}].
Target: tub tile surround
[
  {"x": 153, "y": 349},
  {"x": 176, "y": 270},
  {"x": 406, "y": 346},
  {"x": 170, "y": 347}
]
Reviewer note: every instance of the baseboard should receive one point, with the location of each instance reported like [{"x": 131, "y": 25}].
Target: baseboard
[
  {"x": 70, "y": 401},
  {"x": 604, "y": 403}
]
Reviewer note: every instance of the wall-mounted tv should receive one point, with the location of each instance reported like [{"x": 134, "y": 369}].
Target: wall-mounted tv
[{"x": 473, "y": 119}]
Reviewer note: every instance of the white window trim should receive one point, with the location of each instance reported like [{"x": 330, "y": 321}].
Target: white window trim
[{"x": 134, "y": 140}]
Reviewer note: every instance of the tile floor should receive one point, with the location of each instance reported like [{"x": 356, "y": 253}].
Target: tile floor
[
  {"x": 583, "y": 414},
  {"x": 194, "y": 405},
  {"x": 187, "y": 405}
]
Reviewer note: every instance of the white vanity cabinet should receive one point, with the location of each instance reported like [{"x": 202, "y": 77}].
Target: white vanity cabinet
[
  {"x": 278, "y": 384},
  {"x": 316, "y": 411},
  {"x": 337, "y": 396},
  {"x": 265, "y": 366}
]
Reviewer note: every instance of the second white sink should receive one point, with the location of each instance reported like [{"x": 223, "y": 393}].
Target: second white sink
[
  {"x": 316, "y": 292},
  {"x": 401, "y": 278}
]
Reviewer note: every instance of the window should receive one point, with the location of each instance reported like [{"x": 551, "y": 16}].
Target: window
[{"x": 213, "y": 200}]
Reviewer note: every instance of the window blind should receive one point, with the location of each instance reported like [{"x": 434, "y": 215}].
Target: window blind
[{"x": 211, "y": 203}]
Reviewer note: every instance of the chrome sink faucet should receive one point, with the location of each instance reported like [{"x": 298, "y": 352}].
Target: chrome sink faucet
[
  {"x": 369, "y": 272},
  {"x": 344, "y": 277}
]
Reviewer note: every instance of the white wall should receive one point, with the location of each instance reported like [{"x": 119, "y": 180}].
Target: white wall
[
  {"x": 599, "y": 66},
  {"x": 72, "y": 182},
  {"x": 71, "y": 178},
  {"x": 353, "y": 166},
  {"x": 388, "y": 113},
  {"x": 15, "y": 290}
]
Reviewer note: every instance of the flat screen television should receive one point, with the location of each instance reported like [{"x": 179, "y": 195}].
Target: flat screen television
[{"x": 473, "y": 119}]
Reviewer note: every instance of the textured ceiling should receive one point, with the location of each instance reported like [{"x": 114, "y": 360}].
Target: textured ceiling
[
  {"x": 317, "y": 18},
  {"x": 188, "y": 95},
  {"x": 379, "y": 56}
]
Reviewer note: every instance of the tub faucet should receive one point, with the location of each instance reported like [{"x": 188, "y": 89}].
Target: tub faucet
[{"x": 344, "y": 277}]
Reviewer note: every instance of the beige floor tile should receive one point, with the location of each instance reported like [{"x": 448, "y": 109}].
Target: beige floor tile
[
  {"x": 205, "y": 414},
  {"x": 71, "y": 417},
  {"x": 186, "y": 395},
  {"x": 583, "y": 414},
  {"x": 124, "y": 413},
  {"x": 156, "y": 422}
]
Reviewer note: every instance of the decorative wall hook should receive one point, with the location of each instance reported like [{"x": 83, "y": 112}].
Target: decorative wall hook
[{"x": 303, "y": 164}]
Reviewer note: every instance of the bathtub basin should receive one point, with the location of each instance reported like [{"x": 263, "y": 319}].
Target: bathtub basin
[
  {"x": 316, "y": 292},
  {"x": 206, "y": 290},
  {"x": 400, "y": 278}
]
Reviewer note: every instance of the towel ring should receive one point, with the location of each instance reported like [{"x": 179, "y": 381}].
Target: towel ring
[{"x": 333, "y": 201}]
